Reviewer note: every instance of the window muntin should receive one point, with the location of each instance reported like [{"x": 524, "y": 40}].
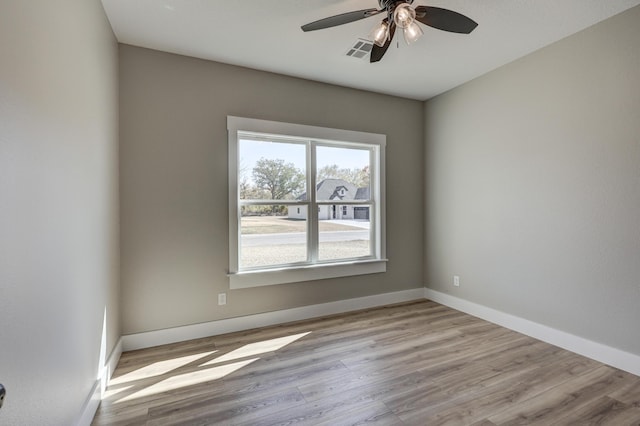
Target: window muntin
[{"x": 270, "y": 229}]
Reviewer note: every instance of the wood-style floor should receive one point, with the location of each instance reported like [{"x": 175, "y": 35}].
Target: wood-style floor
[{"x": 416, "y": 363}]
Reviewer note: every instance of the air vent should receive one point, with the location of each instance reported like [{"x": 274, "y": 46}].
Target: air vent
[{"x": 360, "y": 49}]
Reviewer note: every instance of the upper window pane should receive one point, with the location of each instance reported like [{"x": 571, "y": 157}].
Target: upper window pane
[
  {"x": 271, "y": 170},
  {"x": 342, "y": 174}
]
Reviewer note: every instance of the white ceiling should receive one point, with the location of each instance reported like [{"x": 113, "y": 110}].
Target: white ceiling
[{"x": 266, "y": 35}]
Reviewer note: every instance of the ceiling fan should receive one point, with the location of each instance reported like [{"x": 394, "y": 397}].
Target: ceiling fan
[{"x": 399, "y": 14}]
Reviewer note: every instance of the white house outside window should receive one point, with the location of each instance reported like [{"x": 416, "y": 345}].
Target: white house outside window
[{"x": 280, "y": 231}]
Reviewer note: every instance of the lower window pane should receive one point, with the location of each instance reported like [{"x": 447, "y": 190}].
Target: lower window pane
[
  {"x": 270, "y": 237},
  {"x": 346, "y": 235}
]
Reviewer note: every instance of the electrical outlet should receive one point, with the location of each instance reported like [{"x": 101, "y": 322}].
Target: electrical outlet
[
  {"x": 456, "y": 281},
  {"x": 222, "y": 298}
]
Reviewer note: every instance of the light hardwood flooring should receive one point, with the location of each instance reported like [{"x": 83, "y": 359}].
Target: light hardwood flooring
[{"x": 417, "y": 363}]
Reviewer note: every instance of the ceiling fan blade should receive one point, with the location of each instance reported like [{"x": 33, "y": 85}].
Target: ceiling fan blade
[
  {"x": 344, "y": 18},
  {"x": 445, "y": 20},
  {"x": 378, "y": 52}
]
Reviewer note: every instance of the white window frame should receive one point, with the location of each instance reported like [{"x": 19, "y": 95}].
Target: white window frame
[{"x": 315, "y": 270}]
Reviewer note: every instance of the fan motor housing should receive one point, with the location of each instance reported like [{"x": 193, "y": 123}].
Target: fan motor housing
[{"x": 391, "y": 4}]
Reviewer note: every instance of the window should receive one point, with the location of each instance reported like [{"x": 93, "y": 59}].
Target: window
[{"x": 305, "y": 203}]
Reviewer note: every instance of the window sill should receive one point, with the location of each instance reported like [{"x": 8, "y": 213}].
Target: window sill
[{"x": 258, "y": 278}]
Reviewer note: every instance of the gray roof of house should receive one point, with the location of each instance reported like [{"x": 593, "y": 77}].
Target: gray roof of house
[
  {"x": 363, "y": 193},
  {"x": 329, "y": 189}
]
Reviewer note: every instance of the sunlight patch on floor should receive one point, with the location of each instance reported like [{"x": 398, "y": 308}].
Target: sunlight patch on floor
[
  {"x": 158, "y": 368},
  {"x": 253, "y": 349},
  {"x": 189, "y": 379},
  {"x": 113, "y": 392},
  {"x": 214, "y": 369}
]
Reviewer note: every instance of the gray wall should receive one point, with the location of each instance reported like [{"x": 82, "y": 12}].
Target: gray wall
[
  {"x": 533, "y": 186},
  {"x": 174, "y": 208},
  {"x": 58, "y": 206}
]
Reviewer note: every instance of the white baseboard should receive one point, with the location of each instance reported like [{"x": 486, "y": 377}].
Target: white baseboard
[
  {"x": 111, "y": 364},
  {"x": 90, "y": 406},
  {"x": 212, "y": 328},
  {"x": 606, "y": 354},
  {"x": 597, "y": 351}
]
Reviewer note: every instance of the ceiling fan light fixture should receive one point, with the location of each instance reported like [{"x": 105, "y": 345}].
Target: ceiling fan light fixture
[
  {"x": 404, "y": 15},
  {"x": 412, "y": 32},
  {"x": 380, "y": 33},
  {"x": 399, "y": 13}
]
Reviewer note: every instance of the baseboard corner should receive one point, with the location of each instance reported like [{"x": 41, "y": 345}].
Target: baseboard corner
[{"x": 91, "y": 404}]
